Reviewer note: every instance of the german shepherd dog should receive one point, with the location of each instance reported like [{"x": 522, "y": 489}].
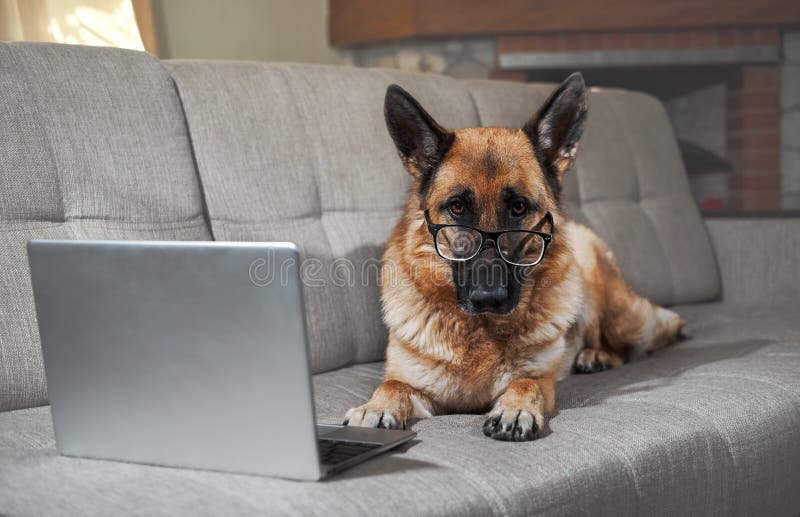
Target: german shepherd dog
[{"x": 490, "y": 293}]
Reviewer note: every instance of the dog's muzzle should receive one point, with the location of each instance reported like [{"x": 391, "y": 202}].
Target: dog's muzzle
[{"x": 486, "y": 284}]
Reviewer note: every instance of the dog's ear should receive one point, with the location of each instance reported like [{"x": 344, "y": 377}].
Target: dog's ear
[
  {"x": 555, "y": 130},
  {"x": 420, "y": 140}
]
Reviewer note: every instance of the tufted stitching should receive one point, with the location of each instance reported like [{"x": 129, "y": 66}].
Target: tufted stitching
[
  {"x": 615, "y": 109},
  {"x": 318, "y": 165}
]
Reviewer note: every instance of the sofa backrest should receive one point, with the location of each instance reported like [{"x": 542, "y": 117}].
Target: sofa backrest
[
  {"x": 301, "y": 153},
  {"x": 93, "y": 145},
  {"x": 98, "y": 143}
]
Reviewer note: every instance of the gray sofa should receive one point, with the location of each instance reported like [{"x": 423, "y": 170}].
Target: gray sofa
[{"x": 103, "y": 143}]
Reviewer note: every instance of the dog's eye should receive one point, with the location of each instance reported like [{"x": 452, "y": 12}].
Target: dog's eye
[
  {"x": 518, "y": 208},
  {"x": 457, "y": 207}
]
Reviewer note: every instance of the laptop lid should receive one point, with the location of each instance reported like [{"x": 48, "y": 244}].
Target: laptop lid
[{"x": 189, "y": 354}]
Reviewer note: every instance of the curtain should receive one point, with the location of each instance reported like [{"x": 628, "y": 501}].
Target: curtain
[{"x": 86, "y": 22}]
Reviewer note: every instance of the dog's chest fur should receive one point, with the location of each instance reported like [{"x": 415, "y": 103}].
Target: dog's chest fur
[
  {"x": 469, "y": 377},
  {"x": 464, "y": 362}
]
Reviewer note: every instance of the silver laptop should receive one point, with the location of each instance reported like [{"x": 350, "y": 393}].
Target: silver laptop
[{"x": 186, "y": 354}]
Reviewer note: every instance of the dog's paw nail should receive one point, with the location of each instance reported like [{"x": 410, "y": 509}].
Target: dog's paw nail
[
  {"x": 531, "y": 433},
  {"x": 520, "y": 428},
  {"x": 583, "y": 367},
  {"x": 524, "y": 434},
  {"x": 490, "y": 425},
  {"x": 371, "y": 416},
  {"x": 594, "y": 361}
]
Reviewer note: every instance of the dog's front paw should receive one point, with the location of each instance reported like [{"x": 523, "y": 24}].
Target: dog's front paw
[
  {"x": 372, "y": 415},
  {"x": 515, "y": 425}
]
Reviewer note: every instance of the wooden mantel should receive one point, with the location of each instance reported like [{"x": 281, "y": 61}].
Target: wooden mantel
[{"x": 358, "y": 22}]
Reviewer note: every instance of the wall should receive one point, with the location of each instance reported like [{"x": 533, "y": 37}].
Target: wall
[
  {"x": 790, "y": 120},
  {"x": 265, "y": 30},
  {"x": 456, "y": 57}
]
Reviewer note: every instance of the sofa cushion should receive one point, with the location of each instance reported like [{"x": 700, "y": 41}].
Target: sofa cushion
[
  {"x": 93, "y": 145},
  {"x": 628, "y": 184},
  {"x": 301, "y": 153},
  {"x": 713, "y": 419}
]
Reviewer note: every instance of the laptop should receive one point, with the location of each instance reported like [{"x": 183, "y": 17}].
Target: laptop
[{"x": 186, "y": 354}]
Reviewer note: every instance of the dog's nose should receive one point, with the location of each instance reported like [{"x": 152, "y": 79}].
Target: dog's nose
[
  {"x": 489, "y": 282},
  {"x": 485, "y": 298}
]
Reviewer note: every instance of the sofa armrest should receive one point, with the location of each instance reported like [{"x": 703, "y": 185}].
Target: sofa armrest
[{"x": 758, "y": 256}]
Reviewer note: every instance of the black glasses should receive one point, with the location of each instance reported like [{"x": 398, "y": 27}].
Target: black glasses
[{"x": 460, "y": 243}]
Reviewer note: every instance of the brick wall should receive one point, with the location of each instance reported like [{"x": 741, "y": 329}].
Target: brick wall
[{"x": 754, "y": 139}]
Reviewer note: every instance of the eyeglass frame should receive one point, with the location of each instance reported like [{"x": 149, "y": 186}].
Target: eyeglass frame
[{"x": 493, "y": 236}]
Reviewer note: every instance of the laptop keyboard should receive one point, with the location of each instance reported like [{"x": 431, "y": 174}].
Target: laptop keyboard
[{"x": 332, "y": 452}]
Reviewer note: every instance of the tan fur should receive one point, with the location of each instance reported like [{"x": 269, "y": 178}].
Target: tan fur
[{"x": 575, "y": 305}]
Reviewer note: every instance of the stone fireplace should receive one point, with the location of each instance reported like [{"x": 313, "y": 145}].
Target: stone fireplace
[
  {"x": 722, "y": 88},
  {"x": 732, "y": 91}
]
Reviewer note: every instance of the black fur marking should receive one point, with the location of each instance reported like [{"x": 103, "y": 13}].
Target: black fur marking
[
  {"x": 508, "y": 196},
  {"x": 421, "y": 142},
  {"x": 550, "y": 174},
  {"x": 427, "y": 180},
  {"x": 490, "y": 162}
]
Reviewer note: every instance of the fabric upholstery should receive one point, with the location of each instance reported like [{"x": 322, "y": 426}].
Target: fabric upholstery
[
  {"x": 628, "y": 184},
  {"x": 301, "y": 153},
  {"x": 757, "y": 258},
  {"x": 93, "y": 145},
  {"x": 670, "y": 435}
]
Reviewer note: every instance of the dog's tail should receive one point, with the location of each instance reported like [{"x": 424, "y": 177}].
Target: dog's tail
[
  {"x": 641, "y": 327},
  {"x": 666, "y": 328}
]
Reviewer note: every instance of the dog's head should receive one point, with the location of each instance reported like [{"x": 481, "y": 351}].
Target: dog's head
[{"x": 492, "y": 179}]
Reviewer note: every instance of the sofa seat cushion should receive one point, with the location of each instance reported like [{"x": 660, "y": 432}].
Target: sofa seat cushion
[{"x": 715, "y": 419}]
